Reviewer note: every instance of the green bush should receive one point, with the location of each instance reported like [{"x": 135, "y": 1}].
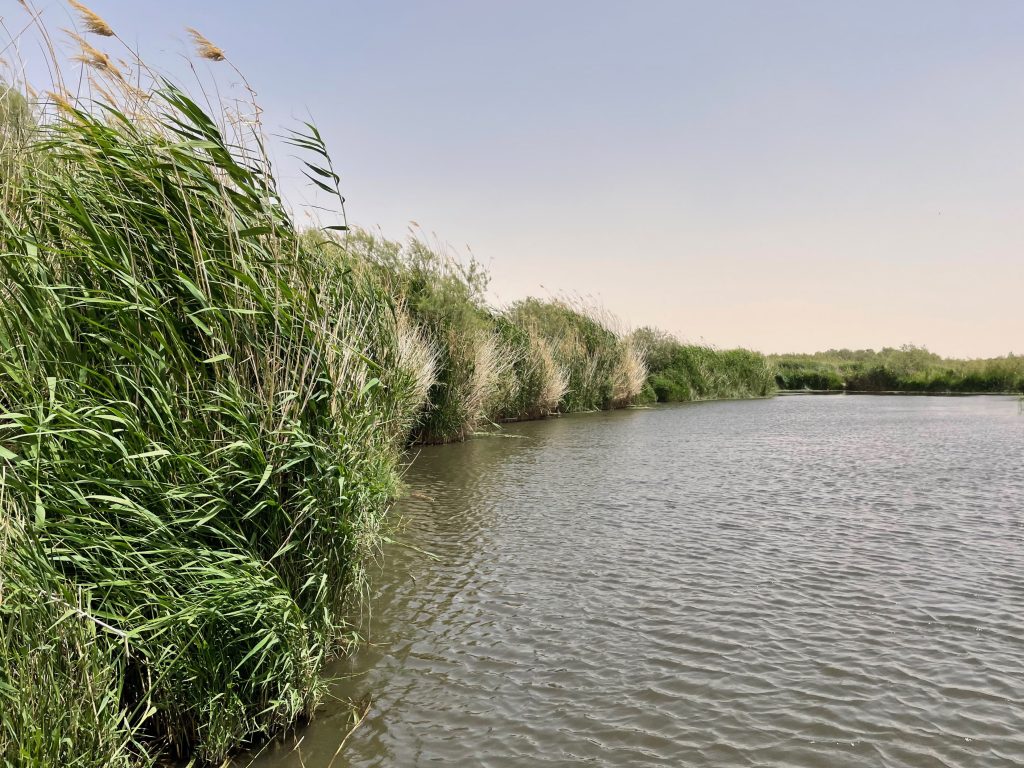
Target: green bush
[{"x": 682, "y": 372}]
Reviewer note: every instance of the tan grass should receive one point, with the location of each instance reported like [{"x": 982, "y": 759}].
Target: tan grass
[
  {"x": 630, "y": 373},
  {"x": 554, "y": 376},
  {"x": 205, "y": 48},
  {"x": 416, "y": 356},
  {"x": 491, "y": 363},
  {"x": 92, "y": 21}
]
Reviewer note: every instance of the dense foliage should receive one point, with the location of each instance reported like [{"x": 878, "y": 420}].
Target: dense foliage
[
  {"x": 681, "y": 372},
  {"x": 903, "y": 369},
  {"x": 203, "y": 410},
  {"x": 200, "y": 425}
]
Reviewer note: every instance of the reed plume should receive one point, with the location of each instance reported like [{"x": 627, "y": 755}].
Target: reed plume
[
  {"x": 204, "y": 47},
  {"x": 92, "y": 56},
  {"x": 93, "y": 21}
]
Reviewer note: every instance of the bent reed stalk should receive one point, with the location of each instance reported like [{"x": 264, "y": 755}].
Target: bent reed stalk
[{"x": 203, "y": 412}]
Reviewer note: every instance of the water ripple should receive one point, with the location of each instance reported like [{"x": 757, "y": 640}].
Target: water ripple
[{"x": 799, "y": 582}]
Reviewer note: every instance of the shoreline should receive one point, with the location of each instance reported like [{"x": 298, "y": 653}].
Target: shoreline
[{"x": 791, "y": 392}]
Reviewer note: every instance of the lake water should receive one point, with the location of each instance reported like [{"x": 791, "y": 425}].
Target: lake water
[{"x": 803, "y": 581}]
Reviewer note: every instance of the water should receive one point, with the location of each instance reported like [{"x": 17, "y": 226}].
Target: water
[{"x": 804, "y": 581}]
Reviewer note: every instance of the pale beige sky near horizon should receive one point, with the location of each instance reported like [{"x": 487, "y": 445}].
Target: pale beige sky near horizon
[
  {"x": 785, "y": 176},
  {"x": 779, "y": 289}
]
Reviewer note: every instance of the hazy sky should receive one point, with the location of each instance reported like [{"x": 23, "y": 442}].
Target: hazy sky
[{"x": 779, "y": 175}]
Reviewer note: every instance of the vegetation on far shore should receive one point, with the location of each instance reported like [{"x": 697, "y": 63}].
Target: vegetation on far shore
[
  {"x": 904, "y": 369},
  {"x": 204, "y": 409}
]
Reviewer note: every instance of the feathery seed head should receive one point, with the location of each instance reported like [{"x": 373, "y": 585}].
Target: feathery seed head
[
  {"x": 93, "y": 21},
  {"x": 205, "y": 48},
  {"x": 61, "y": 102},
  {"x": 91, "y": 56}
]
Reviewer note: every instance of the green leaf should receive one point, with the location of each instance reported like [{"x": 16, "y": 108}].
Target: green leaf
[
  {"x": 251, "y": 231},
  {"x": 263, "y": 480},
  {"x": 149, "y": 454},
  {"x": 369, "y": 386}
]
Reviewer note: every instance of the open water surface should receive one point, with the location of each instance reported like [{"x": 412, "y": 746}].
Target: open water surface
[{"x": 804, "y": 581}]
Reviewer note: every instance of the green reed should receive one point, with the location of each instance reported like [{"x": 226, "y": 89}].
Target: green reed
[
  {"x": 682, "y": 372},
  {"x": 203, "y": 411},
  {"x": 201, "y": 421}
]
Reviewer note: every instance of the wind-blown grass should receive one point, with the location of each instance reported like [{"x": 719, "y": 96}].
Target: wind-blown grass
[
  {"x": 444, "y": 299},
  {"x": 202, "y": 414},
  {"x": 538, "y": 382},
  {"x": 683, "y": 372},
  {"x": 201, "y": 419},
  {"x": 601, "y": 367},
  {"x": 533, "y": 359}
]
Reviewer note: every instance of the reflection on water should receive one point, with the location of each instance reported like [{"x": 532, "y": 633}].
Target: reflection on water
[{"x": 806, "y": 581}]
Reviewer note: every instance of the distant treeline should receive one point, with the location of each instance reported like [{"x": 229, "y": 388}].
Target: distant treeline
[{"x": 904, "y": 369}]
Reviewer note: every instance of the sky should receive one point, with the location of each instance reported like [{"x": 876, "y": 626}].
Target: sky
[{"x": 784, "y": 176}]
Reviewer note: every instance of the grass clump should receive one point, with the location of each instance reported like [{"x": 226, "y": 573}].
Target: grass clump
[
  {"x": 200, "y": 421},
  {"x": 538, "y": 382},
  {"x": 601, "y": 367},
  {"x": 531, "y": 360},
  {"x": 444, "y": 301},
  {"x": 683, "y": 372}
]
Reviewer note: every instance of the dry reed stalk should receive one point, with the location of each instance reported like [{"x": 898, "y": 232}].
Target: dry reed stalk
[
  {"x": 630, "y": 373},
  {"x": 554, "y": 377},
  {"x": 491, "y": 362},
  {"x": 417, "y": 356}
]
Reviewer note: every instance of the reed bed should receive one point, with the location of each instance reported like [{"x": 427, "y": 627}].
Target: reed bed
[
  {"x": 204, "y": 409},
  {"x": 533, "y": 359},
  {"x": 902, "y": 369},
  {"x": 601, "y": 367},
  {"x": 684, "y": 372},
  {"x": 201, "y": 422}
]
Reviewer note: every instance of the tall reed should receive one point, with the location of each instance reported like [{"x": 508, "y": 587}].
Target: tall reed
[
  {"x": 682, "y": 372},
  {"x": 201, "y": 421},
  {"x": 203, "y": 410}
]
